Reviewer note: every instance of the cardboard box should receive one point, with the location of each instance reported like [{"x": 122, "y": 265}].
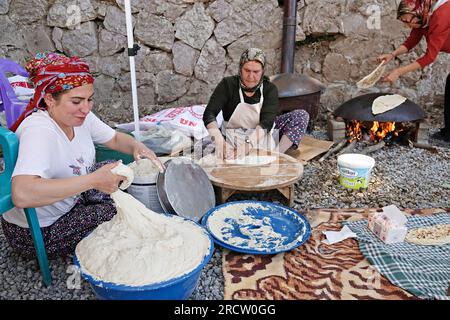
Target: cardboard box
[{"x": 389, "y": 225}]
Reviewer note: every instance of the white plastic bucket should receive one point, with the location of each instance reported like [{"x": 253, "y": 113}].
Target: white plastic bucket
[
  {"x": 355, "y": 170},
  {"x": 143, "y": 188}
]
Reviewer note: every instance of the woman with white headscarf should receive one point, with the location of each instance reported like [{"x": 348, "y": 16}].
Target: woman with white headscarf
[{"x": 249, "y": 102}]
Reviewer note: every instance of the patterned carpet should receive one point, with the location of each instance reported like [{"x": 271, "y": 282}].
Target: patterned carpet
[{"x": 314, "y": 270}]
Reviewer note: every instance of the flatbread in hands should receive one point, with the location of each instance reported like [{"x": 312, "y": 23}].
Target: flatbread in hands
[
  {"x": 386, "y": 103},
  {"x": 435, "y": 235},
  {"x": 369, "y": 80}
]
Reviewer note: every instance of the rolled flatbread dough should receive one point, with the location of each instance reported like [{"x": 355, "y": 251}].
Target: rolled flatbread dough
[
  {"x": 125, "y": 171},
  {"x": 386, "y": 103},
  {"x": 252, "y": 160},
  {"x": 369, "y": 80},
  {"x": 211, "y": 160},
  {"x": 435, "y": 235}
]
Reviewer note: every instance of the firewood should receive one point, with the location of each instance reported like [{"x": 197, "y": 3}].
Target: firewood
[
  {"x": 333, "y": 150},
  {"x": 425, "y": 146},
  {"x": 373, "y": 148},
  {"x": 349, "y": 148}
]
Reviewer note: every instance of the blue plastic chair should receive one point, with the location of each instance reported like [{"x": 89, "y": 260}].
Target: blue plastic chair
[
  {"x": 11, "y": 104},
  {"x": 10, "y": 147}
]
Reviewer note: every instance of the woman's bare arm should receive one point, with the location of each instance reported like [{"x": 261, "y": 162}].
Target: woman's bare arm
[{"x": 33, "y": 191}]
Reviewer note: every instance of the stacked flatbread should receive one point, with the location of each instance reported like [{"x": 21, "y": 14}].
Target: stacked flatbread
[
  {"x": 369, "y": 80},
  {"x": 387, "y": 102},
  {"x": 435, "y": 235}
]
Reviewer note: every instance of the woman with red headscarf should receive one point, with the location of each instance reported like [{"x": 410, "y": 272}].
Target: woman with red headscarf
[
  {"x": 55, "y": 170},
  {"x": 429, "y": 18}
]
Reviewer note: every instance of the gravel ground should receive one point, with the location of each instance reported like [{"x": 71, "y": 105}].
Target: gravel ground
[{"x": 406, "y": 177}]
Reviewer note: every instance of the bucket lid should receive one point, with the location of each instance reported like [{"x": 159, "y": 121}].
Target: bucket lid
[
  {"x": 184, "y": 189},
  {"x": 355, "y": 160}
]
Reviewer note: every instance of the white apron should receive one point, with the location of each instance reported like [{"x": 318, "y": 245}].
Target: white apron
[{"x": 244, "y": 121}]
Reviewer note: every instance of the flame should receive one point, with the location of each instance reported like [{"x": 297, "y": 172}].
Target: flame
[
  {"x": 378, "y": 130},
  {"x": 383, "y": 129},
  {"x": 354, "y": 131}
]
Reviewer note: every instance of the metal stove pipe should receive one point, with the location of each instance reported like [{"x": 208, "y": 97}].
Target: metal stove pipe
[
  {"x": 289, "y": 29},
  {"x": 295, "y": 91}
]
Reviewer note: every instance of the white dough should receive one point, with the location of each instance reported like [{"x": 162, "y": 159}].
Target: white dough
[
  {"x": 252, "y": 160},
  {"x": 144, "y": 167},
  {"x": 140, "y": 247},
  {"x": 211, "y": 160},
  {"x": 369, "y": 80},
  {"x": 125, "y": 171},
  {"x": 258, "y": 232},
  {"x": 386, "y": 103}
]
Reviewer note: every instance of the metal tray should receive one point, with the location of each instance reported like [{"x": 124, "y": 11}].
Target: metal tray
[{"x": 184, "y": 189}]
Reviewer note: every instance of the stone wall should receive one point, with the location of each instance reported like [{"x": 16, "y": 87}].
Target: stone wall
[{"x": 187, "y": 46}]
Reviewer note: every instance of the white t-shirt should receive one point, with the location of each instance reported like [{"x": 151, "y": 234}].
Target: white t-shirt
[{"x": 46, "y": 151}]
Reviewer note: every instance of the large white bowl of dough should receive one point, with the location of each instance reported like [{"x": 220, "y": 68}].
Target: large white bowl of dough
[{"x": 141, "y": 254}]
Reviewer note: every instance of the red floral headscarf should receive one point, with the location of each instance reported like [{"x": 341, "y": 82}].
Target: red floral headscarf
[
  {"x": 52, "y": 73},
  {"x": 418, "y": 8}
]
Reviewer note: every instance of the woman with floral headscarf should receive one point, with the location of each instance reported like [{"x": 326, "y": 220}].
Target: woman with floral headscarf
[
  {"x": 429, "y": 18},
  {"x": 249, "y": 102},
  {"x": 55, "y": 170}
]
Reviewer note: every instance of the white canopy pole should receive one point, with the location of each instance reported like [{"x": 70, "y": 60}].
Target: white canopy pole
[{"x": 132, "y": 68}]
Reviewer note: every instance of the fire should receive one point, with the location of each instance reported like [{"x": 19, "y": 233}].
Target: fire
[
  {"x": 380, "y": 130},
  {"x": 354, "y": 131},
  {"x": 377, "y": 131}
]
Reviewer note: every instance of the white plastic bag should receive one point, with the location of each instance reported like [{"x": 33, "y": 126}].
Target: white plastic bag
[
  {"x": 22, "y": 88},
  {"x": 188, "y": 120},
  {"x": 164, "y": 141}
]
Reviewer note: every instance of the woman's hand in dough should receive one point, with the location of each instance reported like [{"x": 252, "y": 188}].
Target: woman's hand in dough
[
  {"x": 106, "y": 181},
  {"x": 223, "y": 148},
  {"x": 243, "y": 150},
  {"x": 230, "y": 152},
  {"x": 142, "y": 152}
]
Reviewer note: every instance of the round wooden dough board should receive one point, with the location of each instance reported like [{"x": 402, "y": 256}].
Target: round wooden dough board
[{"x": 283, "y": 171}]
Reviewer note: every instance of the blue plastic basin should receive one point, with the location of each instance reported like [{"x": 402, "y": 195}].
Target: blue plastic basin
[{"x": 179, "y": 288}]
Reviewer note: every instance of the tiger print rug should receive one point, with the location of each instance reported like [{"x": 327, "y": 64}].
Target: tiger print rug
[{"x": 314, "y": 270}]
